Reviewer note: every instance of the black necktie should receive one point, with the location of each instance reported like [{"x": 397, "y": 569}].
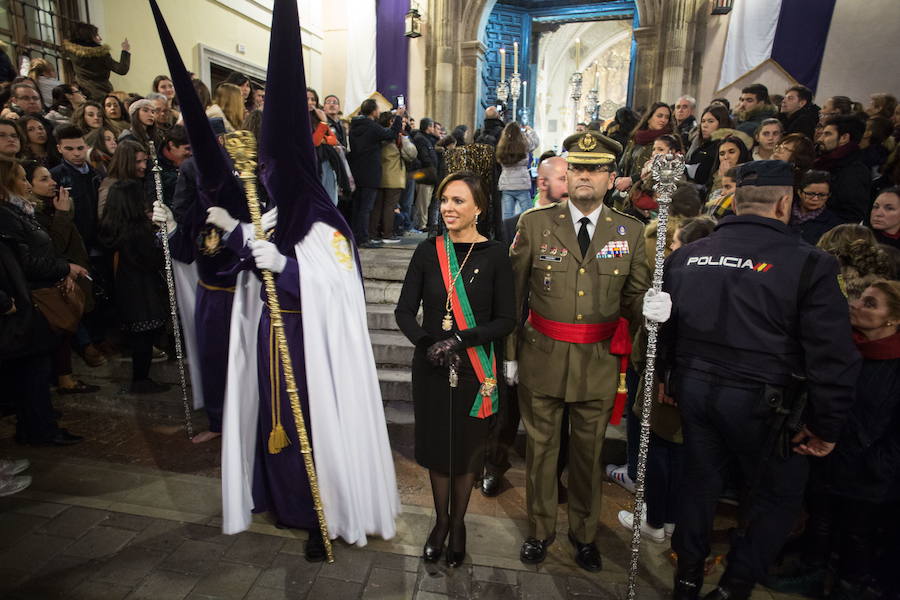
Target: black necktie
[{"x": 584, "y": 238}]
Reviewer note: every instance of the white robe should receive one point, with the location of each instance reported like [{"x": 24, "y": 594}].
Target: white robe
[{"x": 352, "y": 452}]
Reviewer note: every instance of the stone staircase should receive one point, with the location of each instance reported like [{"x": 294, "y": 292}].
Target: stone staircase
[{"x": 383, "y": 273}]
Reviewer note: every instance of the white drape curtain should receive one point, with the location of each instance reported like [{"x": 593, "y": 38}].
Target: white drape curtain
[
  {"x": 751, "y": 33},
  {"x": 360, "y": 52}
]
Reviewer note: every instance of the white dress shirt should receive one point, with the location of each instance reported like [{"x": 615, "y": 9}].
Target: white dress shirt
[{"x": 577, "y": 216}]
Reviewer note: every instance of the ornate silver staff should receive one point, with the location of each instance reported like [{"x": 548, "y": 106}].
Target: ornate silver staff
[
  {"x": 666, "y": 170},
  {"x": 173, "y": 303}
]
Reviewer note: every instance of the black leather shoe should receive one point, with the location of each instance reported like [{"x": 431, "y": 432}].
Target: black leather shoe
[
  {"x": 731, "y": 589},
  {"x": 434, "y": 547},
  {"x": 456, "y": 549},
  {"x": 61, "y": 438},
  {"x": 534, "y": 551},
  {"x": 688, "y": 581},
  {"x": 315, "y": 547},
  {"x": 490, "y": 485},
  {"x": 586, "y": 555}
]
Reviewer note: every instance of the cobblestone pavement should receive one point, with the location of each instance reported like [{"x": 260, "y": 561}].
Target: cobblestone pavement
[{"x": 134, "y": 512}]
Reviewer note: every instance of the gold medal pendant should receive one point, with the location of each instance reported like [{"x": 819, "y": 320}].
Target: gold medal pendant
[
  {"x": 447, "y": 322},
  {"x": 487, "y": 388}
]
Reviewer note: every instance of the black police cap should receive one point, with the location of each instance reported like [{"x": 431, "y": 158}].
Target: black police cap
[{"x": 765, "y": 172}]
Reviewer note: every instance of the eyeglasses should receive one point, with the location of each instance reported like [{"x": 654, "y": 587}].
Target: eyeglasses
[
  {"x": 819, "y": 195},
  {"x": 590, "y": 168}
]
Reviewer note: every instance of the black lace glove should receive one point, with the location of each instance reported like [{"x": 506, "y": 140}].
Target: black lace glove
[{"x": 444, "y": 353}]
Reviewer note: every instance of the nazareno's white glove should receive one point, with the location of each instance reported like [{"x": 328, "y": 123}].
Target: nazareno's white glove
[
  {"x": 268, "y": 219},
  {"x": 657, "y": 306},
  {"x": 267, "y": 256},
  {"x": 511, "y": 371},
  {"x": 218, "y": 216},
  {"x": 162, "y": 214}
]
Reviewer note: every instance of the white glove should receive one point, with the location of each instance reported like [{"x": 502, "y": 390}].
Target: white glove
[
  {"x": 162, "y": 214},
  {"x": 268, "y": 219},
  {"x": 267, "y": 256},
  {"x": 657, "y": 306},
  {"x": 218, "y": 216},
  {"x": 511, "y": 371}
]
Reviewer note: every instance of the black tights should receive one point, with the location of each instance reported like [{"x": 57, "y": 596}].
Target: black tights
[
  {"x": 451, "y": 513},
  {"x": 141, "y": 353}
]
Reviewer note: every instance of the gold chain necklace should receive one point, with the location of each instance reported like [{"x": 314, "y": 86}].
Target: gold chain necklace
[{"x": 447, "y": 322}]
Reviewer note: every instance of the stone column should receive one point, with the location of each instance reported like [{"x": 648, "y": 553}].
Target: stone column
[
  {"x": 645, "y": 77},
  {"x": 471, "y": 65}
]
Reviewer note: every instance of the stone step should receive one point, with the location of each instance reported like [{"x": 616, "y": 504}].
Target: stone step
[
  {"x": 391, "y": 348},
  {"x": 381, "y": 316},
  {"x": 389, "y": 269},
  {"x": 382, "y": 292},
  {"x": 396, "y": 384}
]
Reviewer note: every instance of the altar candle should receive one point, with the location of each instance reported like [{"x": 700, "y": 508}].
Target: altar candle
[
  {"x": 596, "y": 76},
  {"x": 577, "y": 53},
  {"x": 515, "y": 57},
  {"x": 502, "y": 64},
  {"x": 524, "y": 95}
]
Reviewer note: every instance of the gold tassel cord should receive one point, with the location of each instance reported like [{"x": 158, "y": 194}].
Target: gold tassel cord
[
  {"x": 278, "y": 439},
  {"x": 241, "y": 146}
]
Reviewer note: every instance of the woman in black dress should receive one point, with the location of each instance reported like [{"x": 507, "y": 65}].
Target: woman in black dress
[{"x": 482, "y": 268}]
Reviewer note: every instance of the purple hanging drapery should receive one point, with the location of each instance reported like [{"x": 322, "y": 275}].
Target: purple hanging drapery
[{"x": 391, "y": 48}]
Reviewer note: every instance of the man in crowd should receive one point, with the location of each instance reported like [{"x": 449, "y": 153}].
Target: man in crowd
[
  {"x": 491, "y": 128},
  {"x": 798, "y": 113},
  {"x": 839, "y": 154},
  {"x": 426, "y": 170},
  {"x": 175, "y": 150},
  {"x": 366, "y": 136},
  {"x": 332, "y": 108},
  {"x": 75, "y": 173},
  {"x": 684, "y": 118},
  {"x": 592, "y": 269},
  {"x": 25, "y": 101},
  {"x": 753, "y": 108},
  {"x": 771, "y": 308},
  {"x": 552, "y": 189}
]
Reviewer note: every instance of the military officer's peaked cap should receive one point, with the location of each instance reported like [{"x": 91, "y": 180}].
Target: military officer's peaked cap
[
  {"x": 765, "y": 172},
  {"x": 591, "y": 148}
]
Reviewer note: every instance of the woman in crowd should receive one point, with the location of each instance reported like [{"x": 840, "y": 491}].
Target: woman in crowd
[
  {"x": 89, "y": 116},
  {"x": 640, "y": 201},
  {"x": 128, "y": 163},
  {"x": 853, "y": 491},
  {"x": 861, "y": 257},
  {"x": 242, "y": 82},
  {"x": 103, "y": 144},
  {"x": 810, "y": 217},
  {"x": 202, "y": 93},
  {"x": 143, "y": 128},
  {"x": 885, "y": 217},
  {"x": 733, "y": 150},
  {"x": 53, "y": 210},
  {"x": 657, "y": 121},
  {"x": 325, "y": 141},
  {"x": 478, "y": 292},
  {"x": 10, "y": 139},
  {"x": 395, "y": 155},
  {"x": 702, "y": 154},
  {"x": 116, "y": 113},
  {"x": 798, "y": 150},
  {"x": 228, "y": 105},
  {"x": 767, "y": 136},
  {"x": 66, "y": 98},
  {"x": 163, "y": 85},
  {"x": 166, "y": 116},
  {"x": 43, "y": 73},
  {"x": 459, "y": 134},
  {"x": 513, "y": 151},
  {"x": 622, "y": 125},
  {"x": 877, "y": 143},
  {"x": 881, "y": 105},
  {"x": 39, "y": 145},
  {"x": 92, "y": 60},
  {"x": 126, "y": 230},
  {"x": 25, "y": 369}
]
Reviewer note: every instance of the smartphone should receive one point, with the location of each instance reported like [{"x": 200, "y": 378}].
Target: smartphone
[{"x": 401, "y": 101}]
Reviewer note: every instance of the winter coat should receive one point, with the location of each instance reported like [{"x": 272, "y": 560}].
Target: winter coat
[
  {"x": 393, "y": 162},
  {"x": 24, "y": 332},
  {"x": 34, "y": 248},
  {"x": 366, "y": 137},
  {"x": 815, "y": 228},
  {"x": 84, "y": 198},
  {"x": 140, "y": 291},
  {"x": 754, "y": 118},
  {"x": 851, "y": 184},
  {"x": 517, "y": 176},
  {"x": 804, "y": 121},
  {"x": 702, "y": 153},
  {"x": 92, "y": 66}
]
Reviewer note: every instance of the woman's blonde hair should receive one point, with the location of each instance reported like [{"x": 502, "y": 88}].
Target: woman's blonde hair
[
  {"x": 861, "y": 258},
  {"x": 231, "y": 101}
]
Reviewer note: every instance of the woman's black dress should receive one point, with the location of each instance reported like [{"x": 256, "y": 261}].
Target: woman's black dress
[{"x": 488, "y": 279}]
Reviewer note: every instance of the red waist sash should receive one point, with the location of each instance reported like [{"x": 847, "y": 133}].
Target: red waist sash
[{"x": 592, "y": 333}]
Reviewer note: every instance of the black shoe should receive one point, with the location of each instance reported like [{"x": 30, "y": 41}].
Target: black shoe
[
  {"x": 315, "y": 547},
  {"x": 731, "y": 589},
  {"x": 434, "y": 546},
  {"x": 61, "y": 438},
  {"x": 490, "y": 485},
  {"x": 456, "y": 549},
  {"x": 688, "y": 581},
  {"x": 147, "y": 386},
  {"x": 586, "y": 555},
  {"x": 534, "y": 551}
]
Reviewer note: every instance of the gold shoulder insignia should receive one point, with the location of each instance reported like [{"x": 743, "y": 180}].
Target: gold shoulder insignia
[{"x": 626, "y": 215}]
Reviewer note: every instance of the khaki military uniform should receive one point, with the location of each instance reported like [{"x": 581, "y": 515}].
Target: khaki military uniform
[{"x": 560, "y": 285}]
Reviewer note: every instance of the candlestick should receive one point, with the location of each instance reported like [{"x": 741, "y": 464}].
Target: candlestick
[
  {"x": 577, "y": 53},
  {"x": 515, "y": 57},
  {"x": 502, "y": 64}
]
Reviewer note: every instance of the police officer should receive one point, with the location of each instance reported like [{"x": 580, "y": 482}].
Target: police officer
[
  {"x": 579, "y": 266},
  {"x": 753, "y": 305}
]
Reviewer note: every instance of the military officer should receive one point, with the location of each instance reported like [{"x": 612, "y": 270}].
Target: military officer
[
  {"x": 579, "y": 266},
  {"x": 769, "y": 307}
]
